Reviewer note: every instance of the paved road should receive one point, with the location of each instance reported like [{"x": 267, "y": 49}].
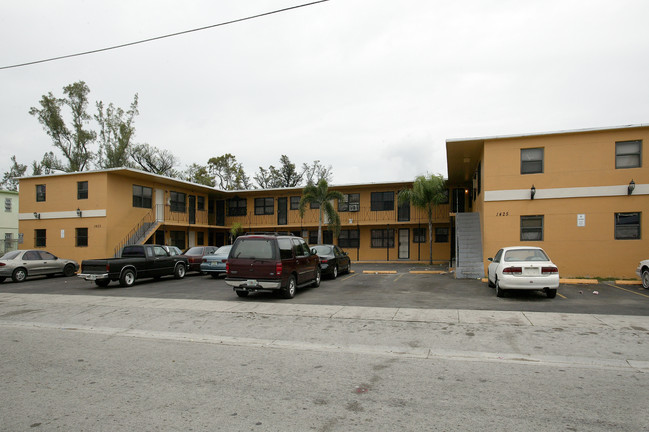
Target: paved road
[
  {"x": 402, "y": 289},
  {"x": 107, "y": 362}
]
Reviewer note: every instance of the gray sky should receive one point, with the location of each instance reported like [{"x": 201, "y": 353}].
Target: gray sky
[{"x": 371, "y": 87}]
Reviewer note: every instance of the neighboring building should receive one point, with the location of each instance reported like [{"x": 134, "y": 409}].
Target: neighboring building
[
  {"x": 94, "y": 213},
  {"x": 582, "y": 195},
  {"x": 9, "y": 221}
]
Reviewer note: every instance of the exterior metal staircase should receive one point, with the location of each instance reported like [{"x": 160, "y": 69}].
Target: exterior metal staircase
[
  {"x": 468, "y": 244},
  {"x": 141, "y": 233}
]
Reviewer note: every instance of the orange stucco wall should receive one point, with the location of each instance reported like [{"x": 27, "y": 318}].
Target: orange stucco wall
[{"x": 572, "y": 160}]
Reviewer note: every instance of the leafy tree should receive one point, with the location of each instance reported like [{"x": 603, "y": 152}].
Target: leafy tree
[
  {"x": 10, "y": 178},
  {"x": 316, "y": 172},
  {"x": 228, "y": 173},
  {"x": 199, "y": 174},
  {"x": 287, "y": 174},
  {"x": 267, "y": 178},
  {"x": 154, "y": 160},
  {"x": 73, "y": 141},
  {"x": 116, "y": 132},
  {"x": 322, "y": 197},
  {"x": 427, "y": 193}
]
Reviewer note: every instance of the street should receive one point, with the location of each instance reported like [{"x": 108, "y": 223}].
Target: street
[{"x": 190, "y": 355}]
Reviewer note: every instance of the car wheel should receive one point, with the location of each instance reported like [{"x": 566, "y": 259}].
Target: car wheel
[
  {"x": 551, "y": 293},
  {"x": 68, "y": 270},
  {"x": 499, "y": 291},
  {"x": 318, "y": 277},
  {"x": 102, "y": 283},
  {"x": 242, "y": 293},
  {"x": 334, "y": 274},
  {"x": 19, "y": 275},
  {"x": 349, "y": 268},
  {"x": 179, "y": 271},
  {"x": 289, "y": 291},
  {"x": 645, "y": 278},
  {"x": 127, "y": 279},
  {"x": 489, "y": 283},
  {"x": 2, "y": 279}
]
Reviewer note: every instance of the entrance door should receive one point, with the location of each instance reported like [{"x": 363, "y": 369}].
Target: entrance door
[
  {"x": 192, "y": 209},
  {"x": 282, "y": 211},
  {"x": 159, "y": 205},
  {"x": 404, "y": 243}
]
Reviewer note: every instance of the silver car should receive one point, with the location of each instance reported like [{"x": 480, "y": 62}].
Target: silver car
[
  {"x": 643, "y": 272},
  {"x": 20, "y": 264},
  {"x": 215, "y": 263}
]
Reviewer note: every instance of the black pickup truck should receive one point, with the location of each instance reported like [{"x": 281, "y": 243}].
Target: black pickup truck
[{"x": 136, "y": 262}]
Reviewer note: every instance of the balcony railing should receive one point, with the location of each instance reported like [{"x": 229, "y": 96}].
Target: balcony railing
[{"x": 365, "y": 216}]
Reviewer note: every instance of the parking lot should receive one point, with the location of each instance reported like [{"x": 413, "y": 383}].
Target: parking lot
[{"x": 373, "y": 285}]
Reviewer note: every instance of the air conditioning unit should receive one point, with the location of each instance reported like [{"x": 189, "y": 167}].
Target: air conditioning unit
[{"x": 354, "y": 207}]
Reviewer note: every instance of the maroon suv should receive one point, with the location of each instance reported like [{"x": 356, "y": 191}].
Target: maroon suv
[{"x": 271, "y": 262}]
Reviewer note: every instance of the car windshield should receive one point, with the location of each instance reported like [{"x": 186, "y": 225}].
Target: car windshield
[
  {"x": 194, "y": 251},
  {"x": 526, "y": 255},
  {"x": 254, "y": 249},
  {"x": 322, "y": 250},
  {"x": 10, "y": 255},
  {"x": 223, "y": 250}
]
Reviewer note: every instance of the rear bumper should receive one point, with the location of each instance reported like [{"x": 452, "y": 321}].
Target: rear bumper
[
  {"x": 93, "y": 276},
  {"x": 253, "y": 285},
  {"x": 529, "y": 282}
]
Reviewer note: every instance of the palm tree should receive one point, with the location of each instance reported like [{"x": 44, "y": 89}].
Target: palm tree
[
  {"x": 427, "y": 193},
  {"x": 321, "y": 196}
]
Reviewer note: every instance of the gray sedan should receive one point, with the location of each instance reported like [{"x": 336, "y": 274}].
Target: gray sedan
[
  {"x": 215, "y": 263},
  {"x": 20, "y": 264}
]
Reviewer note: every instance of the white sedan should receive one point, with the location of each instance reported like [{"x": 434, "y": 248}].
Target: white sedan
[
  {"x": 524, "y": 268},
  {"x": 643, "y": 272}
]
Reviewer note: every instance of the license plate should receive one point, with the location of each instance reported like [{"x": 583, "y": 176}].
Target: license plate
[
  {"x": 251, "y": 282},
  {"x": 532, "y": 271},
  {"x": 213, "y": 264},
  {"x": 91, "y": 277}
]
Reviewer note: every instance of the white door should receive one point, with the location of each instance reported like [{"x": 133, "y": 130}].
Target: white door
[
  {"x": 404, "y": 243},
  {"x": 160, "y": 205}
]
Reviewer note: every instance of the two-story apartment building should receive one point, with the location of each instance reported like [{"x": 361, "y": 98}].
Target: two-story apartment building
[
  {"x": 582, "y": 195},
  {"x": 94, "y": 213}
]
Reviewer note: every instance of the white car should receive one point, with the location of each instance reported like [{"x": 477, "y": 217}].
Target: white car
[
  {"x": 643, "y": 272},
  {"x": 524, "y": 268}
]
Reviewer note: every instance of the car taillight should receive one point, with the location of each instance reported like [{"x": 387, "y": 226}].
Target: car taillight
[
  {"x": 513, "y": 270},
  {"x": 204, "y": 260},
  {"x": 2, "y": 264},
  {"x": 224, "y": 260},
  {"x": 549, "y": 270},
  {"x": 323, "y": 260},
  {"x": 227, "y": 267},
  {"x": 278, "y": 269}
]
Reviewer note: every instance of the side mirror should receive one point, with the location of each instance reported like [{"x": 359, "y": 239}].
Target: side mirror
[
  {"x": 490, "y": 259},
  {"x": 313, "y": 252}
]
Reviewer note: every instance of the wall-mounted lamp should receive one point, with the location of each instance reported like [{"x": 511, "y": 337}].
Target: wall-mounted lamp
[
  {"x": 78, "y": 212},
  {"x": 37, "y": 215},
  {"x": 631, "y": 187},
  {"x": 532, "y": 192}
]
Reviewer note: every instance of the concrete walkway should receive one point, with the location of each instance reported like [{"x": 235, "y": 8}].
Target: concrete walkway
[{"x": 448, "y": 316}]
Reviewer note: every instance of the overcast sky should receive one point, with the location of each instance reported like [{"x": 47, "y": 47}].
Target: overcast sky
[{"x": 372, "y": 87}]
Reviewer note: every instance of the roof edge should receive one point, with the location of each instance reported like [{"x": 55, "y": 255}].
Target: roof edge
[{"x": 559, "y": 132}]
